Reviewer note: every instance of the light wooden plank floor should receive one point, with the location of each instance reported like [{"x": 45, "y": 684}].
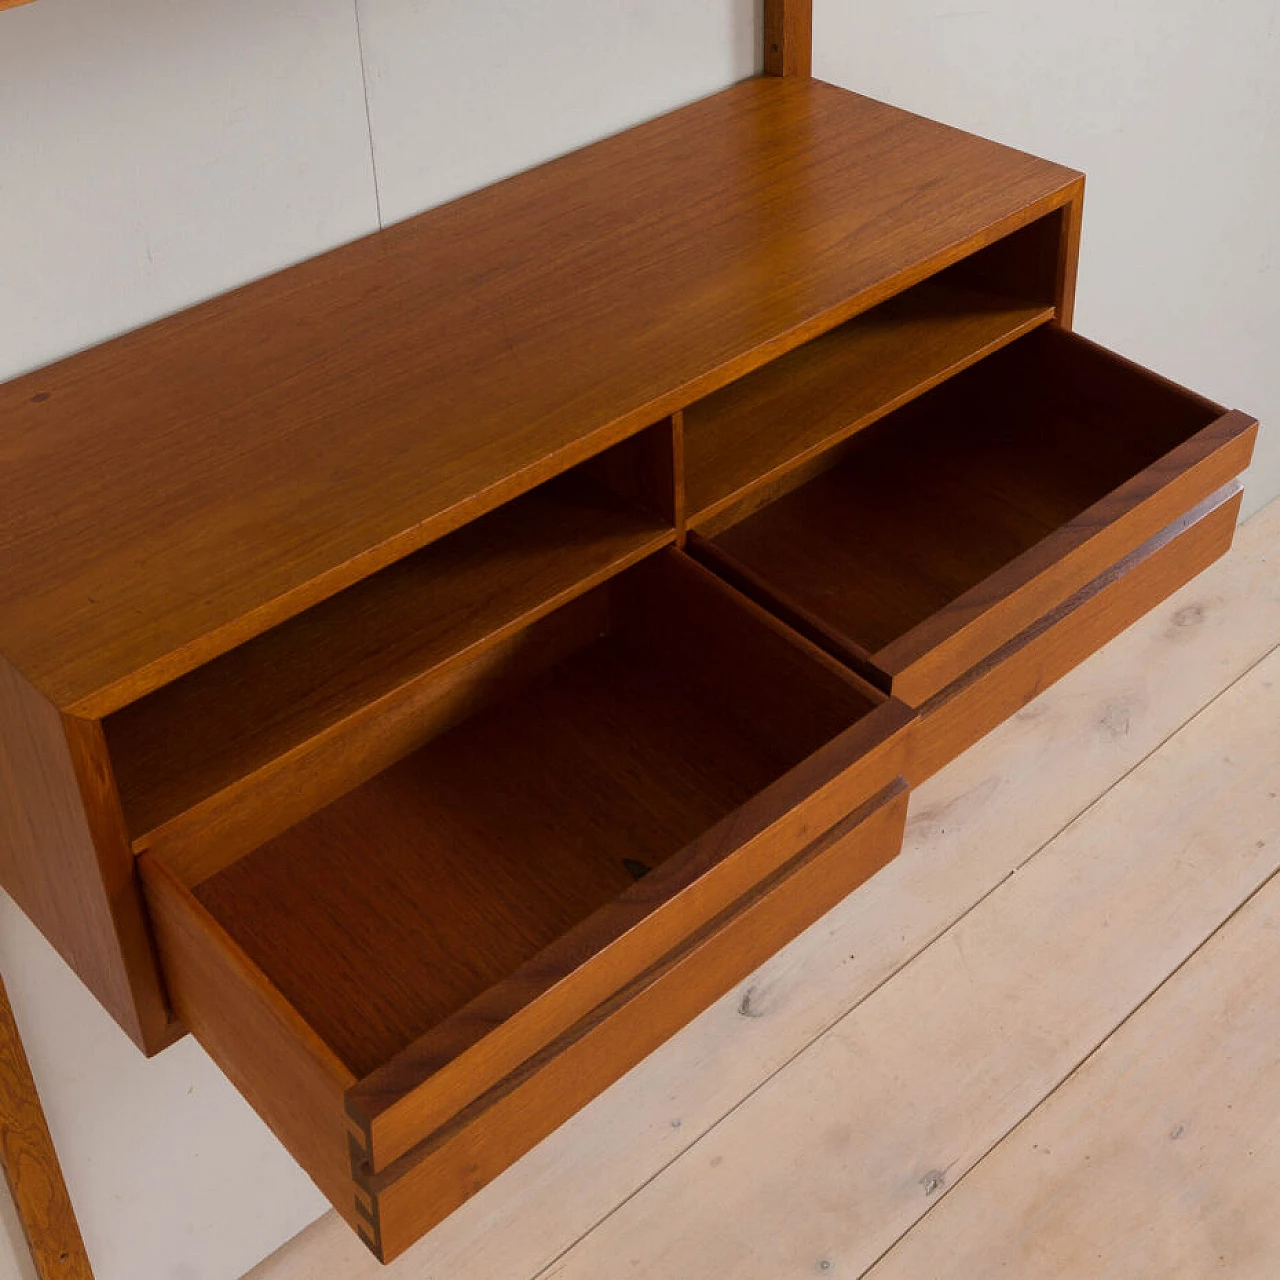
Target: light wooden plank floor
[{"x": 935, "y": 1075}]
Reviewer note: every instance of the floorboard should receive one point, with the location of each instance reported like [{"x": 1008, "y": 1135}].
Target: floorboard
[{"x": 1154, "y": 1161}]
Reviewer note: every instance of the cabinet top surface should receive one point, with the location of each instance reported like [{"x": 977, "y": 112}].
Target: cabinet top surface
[{"x": 176, "y": 490}]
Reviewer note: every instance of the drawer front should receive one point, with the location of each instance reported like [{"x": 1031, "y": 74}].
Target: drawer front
[
  {"x": 298, "y": 1086},
  {"x": 415, "y": 1193},
  {"x": 441, "y": 1072},
  {"x": 951, "y": 527},
  {"x": 996, "y": 688},
  {"x": 426, "y": 1084}
]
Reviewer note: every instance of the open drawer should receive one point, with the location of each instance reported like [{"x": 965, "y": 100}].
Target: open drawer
[
  {"x": 920, "y": 547},
  {"x": 656, "y": 788}
]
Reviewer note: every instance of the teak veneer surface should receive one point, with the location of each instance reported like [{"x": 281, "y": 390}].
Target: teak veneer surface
[
  {"x": 412, "y": 895},
  {"x": 788, "y": 37},
  {"x": 775, "y": 418},
  {"x": 174, "y": 492},
  {"x": 65, "y": 858},
  {"x": 246, "y": 710},
  {"x": 930, "y": 501},
  {"x": 1002, "y": 684},
  {"x": 414, "y": 1194}
]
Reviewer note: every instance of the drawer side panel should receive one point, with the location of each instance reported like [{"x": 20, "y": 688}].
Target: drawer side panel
[{"x": 268, "y": 1052}]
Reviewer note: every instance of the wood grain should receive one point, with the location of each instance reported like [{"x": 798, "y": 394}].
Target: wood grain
[
  {"x": 419, "y": 890},
  {"x": 680, "y": 495},
  {"x": 743, "y": 437},
  {"x": 788, "y": 37},
  {"x": 645, "y": 472},
  {"x": 478, "y": 898},
  {"x": 1182, "y": 1095},
  {"x": 999, "y": 686},
  {"x": 1025, "y": 265},
  {"x": 431, "y": 1079},
  {"x": 1055, "y": 458},
  {"x": 259, "y": 710},
  {"x": 548, "y": 741},
  {"x": 1138, "y": 426},
  {"x": 517, "y": 825},
  {"x": 180, "y": 489},
  {"x": 1069, "y": 257},
  {"x": 419, "y": 1191},
  {"x": 64, "y": 857},
  {"x": 970, "y": 827},
  {"x": 840, "y": 1155},
  {"x": 285, "y": 1071},
  {"x": 31, "y": 1166},
  {"x": 213, "y": 835}
]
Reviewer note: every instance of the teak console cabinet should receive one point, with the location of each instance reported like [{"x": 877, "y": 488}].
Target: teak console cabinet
[{"x": 433, "y": 674}]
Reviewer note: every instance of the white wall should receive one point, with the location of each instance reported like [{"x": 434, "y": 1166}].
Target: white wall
[
  {"x": 1171, "y": 108},
  {"x": 153, "y": 152}
]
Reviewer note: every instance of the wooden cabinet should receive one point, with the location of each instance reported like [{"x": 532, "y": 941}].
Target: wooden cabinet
[{"x": 434, "y": 673}]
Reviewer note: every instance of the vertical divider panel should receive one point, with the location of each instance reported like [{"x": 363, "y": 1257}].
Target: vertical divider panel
[
  {"x": 646, "y": 470},
  {"x": 680, "y": 502}
]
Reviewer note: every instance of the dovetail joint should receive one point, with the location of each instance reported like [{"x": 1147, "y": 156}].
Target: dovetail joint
[{"x": 369, "y": 1219}]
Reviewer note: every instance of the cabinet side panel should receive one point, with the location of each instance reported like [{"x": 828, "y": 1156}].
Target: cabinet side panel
[{"x": 65, "y": 861}]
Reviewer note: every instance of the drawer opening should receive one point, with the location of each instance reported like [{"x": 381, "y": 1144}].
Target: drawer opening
[
  {"x": 972, "y": 506},
  {"x": 638, "y": 723},
  {"x": 742, "y": 441},
  {"x": 314, "y": 706}
]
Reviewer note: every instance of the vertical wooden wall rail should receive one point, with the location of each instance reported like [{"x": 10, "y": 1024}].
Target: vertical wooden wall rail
[
  {"x": 788, "y": 37},
  {"x": 31, "y": 1164}
]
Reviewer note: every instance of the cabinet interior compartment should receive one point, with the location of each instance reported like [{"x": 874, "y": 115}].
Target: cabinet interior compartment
[
  {"x": 744, "y": 440},
  {"x": 252, "y": 741}
]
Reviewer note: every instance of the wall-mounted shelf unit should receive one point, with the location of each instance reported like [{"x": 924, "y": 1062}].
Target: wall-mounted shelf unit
[{"x": 434, "y": 673}]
